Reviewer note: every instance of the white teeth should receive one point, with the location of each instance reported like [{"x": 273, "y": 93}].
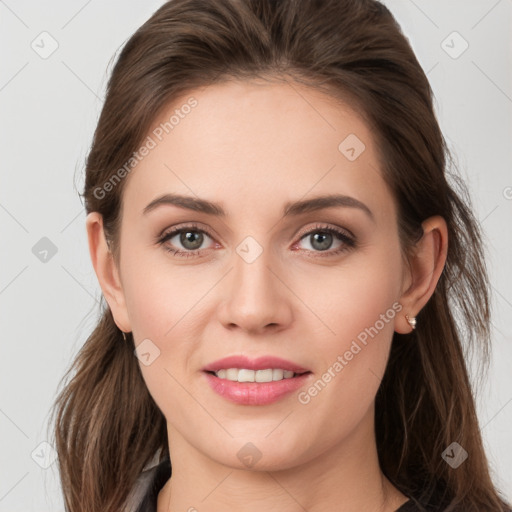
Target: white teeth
[
  {"x": 277, "y": 374},
  {"x": 244, "y": 375},
  {"x": 232, "y": 374},
  {"x": 263, "y": 375}
]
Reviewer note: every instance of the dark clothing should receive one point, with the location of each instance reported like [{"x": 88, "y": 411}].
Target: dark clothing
[{"x": 144, "y": 495}]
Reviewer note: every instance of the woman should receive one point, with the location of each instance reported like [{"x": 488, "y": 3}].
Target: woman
[{"x": 283, "y": 258}]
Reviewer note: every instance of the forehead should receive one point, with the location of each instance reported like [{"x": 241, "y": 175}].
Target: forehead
[{"x": 252, "y": 144}]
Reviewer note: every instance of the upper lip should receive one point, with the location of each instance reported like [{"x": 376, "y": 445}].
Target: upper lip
[{"x": 260, "y": 363}]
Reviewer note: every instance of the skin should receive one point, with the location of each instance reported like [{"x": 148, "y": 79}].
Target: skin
[{"x": 251, "y": 147}]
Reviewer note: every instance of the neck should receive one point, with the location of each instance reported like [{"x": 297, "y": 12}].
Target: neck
[{"x": 346, "y": 478}]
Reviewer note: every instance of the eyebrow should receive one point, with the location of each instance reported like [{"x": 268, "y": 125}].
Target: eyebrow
[{"x": 292, "y": 208}]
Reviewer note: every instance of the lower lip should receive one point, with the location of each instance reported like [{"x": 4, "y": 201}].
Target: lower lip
[{"x": 255, "y": 393}]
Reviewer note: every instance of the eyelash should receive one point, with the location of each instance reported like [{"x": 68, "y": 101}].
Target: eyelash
[{"x": 348, "y": 242}]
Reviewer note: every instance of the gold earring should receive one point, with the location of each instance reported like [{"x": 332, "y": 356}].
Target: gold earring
[{"x": 411, "y": 320}]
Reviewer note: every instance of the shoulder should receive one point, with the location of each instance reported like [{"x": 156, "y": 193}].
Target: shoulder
[{"x": 144, "y": 494}]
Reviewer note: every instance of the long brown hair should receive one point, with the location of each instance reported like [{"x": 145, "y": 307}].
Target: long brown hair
[{"x": 107, "y": 426}]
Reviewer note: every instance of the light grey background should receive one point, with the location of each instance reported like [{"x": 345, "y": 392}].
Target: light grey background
[{"x": 49, "y": 107}]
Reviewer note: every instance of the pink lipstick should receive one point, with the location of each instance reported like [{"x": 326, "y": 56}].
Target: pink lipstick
[{"x": 258, "y": 381}]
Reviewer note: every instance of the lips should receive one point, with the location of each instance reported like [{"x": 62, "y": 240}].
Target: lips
[{"x": 255, "y": 393}]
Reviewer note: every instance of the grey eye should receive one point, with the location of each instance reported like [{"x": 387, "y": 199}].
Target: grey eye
[
  {"x": 191, "y": 239},
  {"x": 321, "y": 240}
]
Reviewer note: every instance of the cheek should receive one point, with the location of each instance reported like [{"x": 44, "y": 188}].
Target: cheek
[
  {"x": 160, "y": 315},
  {"x": 164, "y": 307},
  {"x": 359, "y": 304},
  {"x": 158, "y": 295},
  {"x": 352, "y": 297}
]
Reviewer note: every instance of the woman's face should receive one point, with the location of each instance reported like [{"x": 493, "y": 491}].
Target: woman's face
[{"x": 267, "y": 278}]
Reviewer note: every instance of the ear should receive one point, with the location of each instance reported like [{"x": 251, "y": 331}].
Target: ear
[
  {"x": 425, "y": 267},
  {"x": 106, "y": 270}
]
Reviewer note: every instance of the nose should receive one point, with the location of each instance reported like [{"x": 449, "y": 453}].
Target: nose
[{"x": 255, "y": 296}]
